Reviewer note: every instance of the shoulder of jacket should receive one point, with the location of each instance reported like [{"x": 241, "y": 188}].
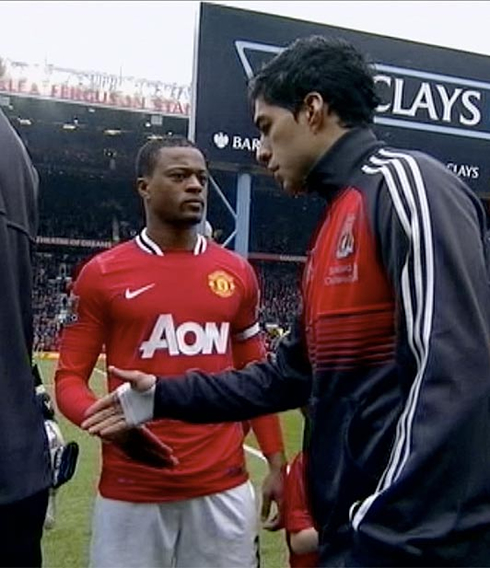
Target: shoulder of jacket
[{"x": 406, "y": 166}]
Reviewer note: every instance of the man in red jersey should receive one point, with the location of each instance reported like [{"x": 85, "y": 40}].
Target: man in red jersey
[{"x": 171, "y": 300}]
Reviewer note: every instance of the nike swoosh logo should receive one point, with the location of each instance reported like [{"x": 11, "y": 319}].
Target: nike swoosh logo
[{"x": 130, "y": 294}]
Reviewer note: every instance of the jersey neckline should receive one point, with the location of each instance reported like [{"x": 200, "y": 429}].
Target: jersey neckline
[{"x": 148, "y": 245}]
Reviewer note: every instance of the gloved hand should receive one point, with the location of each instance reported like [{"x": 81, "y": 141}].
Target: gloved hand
[
  {"x": 63, "y": 456},
  {"x": 63, "y": 462},
  {"x": 140, "y": 444}
]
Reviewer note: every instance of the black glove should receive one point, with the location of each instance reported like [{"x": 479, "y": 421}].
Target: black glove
[
  {"x": 140, "y": 444},
  {"x": 43, "y": 398},
  {"x": 63, "y": 462},
  {"x": 63, "y": 456}
]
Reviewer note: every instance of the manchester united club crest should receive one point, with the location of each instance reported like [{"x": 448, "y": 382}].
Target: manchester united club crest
[{"x": 221, "y": 283}]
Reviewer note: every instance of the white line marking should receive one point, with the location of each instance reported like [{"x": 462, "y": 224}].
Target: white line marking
[{"x": 254, "y": 452}]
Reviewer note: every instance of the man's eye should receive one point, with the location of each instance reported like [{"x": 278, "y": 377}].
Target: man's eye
[
  {"x": 203, "y": 180},
  {"x": 264, "y": 128},
  {"x": 177, "y": 177}
]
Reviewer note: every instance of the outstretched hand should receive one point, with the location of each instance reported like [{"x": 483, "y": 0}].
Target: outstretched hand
[{"x": 107, "y": 416}]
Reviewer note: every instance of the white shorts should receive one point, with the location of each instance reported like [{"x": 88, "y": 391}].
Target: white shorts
[{"x": 214, "y": 531}]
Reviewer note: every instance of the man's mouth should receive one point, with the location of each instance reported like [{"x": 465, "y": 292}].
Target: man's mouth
[{"x": 194, "y": 202}]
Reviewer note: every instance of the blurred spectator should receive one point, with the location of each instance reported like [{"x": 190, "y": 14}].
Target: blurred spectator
[
  {"x": 52, "y": 278},
  {"x": 279, "y": 291}
]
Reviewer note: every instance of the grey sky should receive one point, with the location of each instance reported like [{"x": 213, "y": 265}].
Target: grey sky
[{"x": 154, "y": 39}]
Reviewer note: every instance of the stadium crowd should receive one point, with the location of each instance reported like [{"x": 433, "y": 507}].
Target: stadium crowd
[{"x": 51, "y": 297}]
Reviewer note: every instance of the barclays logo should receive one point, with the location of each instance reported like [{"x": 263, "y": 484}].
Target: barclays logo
[
  {"x": 467, "y": 171},
  {"x": 432, "y": 102},
  {"x": 221, "y": 140}
]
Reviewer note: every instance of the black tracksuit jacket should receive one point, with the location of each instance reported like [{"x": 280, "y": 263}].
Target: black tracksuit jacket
[
  {"x": 25, "y": 465},
  {"x": 392, "y": 355}
]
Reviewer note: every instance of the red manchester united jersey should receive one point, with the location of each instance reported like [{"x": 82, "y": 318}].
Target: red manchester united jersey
[{"x": 163, "y": 313}]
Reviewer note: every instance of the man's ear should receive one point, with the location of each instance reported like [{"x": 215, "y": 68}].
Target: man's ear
[
  {"x": 316, "y": 109},
  {"x": 142, "y": 187}
]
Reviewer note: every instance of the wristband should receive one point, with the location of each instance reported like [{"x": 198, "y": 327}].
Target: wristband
[{"x": 136, "y": 406}]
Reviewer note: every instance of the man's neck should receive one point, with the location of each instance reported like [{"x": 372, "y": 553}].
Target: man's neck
[{"x": 173, "y": 238}]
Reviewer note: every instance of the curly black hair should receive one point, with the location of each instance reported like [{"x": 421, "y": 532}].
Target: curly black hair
[
  {"x": 147, "y": 156},
  {"x": 332, "y": 67}
]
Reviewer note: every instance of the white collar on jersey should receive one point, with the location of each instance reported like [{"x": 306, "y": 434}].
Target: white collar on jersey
[{"x": 148, "y": 245}]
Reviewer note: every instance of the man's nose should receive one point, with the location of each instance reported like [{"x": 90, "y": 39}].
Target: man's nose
[
  {"x": 263, "y": 155},
  {"x": 194, "y": 183}
]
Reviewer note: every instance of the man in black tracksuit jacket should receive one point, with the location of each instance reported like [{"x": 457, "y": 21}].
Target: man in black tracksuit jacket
[
  {"x": 25, "y": 463},
  {"x": 391, "y": 351}
]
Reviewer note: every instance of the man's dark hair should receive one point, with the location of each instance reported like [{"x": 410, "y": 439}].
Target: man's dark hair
[
  {"x": 147, "y": 156},
  {"x": 332, "y": 67}
]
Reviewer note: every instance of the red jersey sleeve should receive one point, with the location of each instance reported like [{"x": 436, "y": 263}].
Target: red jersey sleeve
[
  {"x": 81, "y": 344},
  {"x": 296, "y": 514},
  {"x": 247, "y": 341},
  {"x": 267, "y": 430},
  {"x": 248, "y": 346}
]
